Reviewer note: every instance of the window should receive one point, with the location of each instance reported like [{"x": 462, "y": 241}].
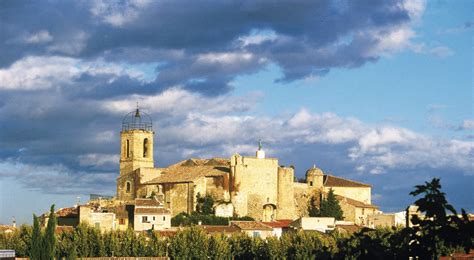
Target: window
[
  {"x": 145, "y": 219},
  {"x": 153, "y": 218},
  {"x": 129, "y": 187},
  {"x": 310, "y": 183},
  {"x": 164, "y": 218},
  {"x": 256, "y": 234},
  {"x": 145, "y": 148},
  {"x": 122, "y": 221},
  {"x": 128, "y": 148}
]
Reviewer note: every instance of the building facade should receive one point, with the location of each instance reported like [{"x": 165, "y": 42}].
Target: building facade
[{"x": 254, "y": 186}]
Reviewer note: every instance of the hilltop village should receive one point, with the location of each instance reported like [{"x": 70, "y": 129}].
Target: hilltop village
[{"x": 147, "y": 197}]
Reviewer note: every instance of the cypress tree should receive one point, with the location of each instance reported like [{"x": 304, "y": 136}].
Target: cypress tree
[
  {"x": 36, "y": 240},
  {"x": 49, "y": 240},
  {"x": 330, "y": 207}
]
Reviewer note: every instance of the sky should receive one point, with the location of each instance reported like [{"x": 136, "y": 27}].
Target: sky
[{"x": 375, "y": 91}]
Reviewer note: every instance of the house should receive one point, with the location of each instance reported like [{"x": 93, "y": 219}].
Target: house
[
  {"x": 5, "y": 229},
  {"x": 96, "y": 217},
  {"x": 280, "y": 226},
  {"x": 122, "y": 222},
  {"x": 149, "y": 214},
  {"x": 321, "y": 224},
  {"x": 356, "y": 211},
  {"x": 253, "y": 228}
]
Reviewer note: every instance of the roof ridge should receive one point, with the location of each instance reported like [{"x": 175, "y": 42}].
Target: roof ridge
[{"x": 346, "y": 179}]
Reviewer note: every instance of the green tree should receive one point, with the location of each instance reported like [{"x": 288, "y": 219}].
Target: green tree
[
  {"x": 219, "y": 247},
  {"x": 330, "y": 207},
  {"x": 36, "y": 243},
  {"x": 440, "y": 230},
  {"x": 49, "y": 240},
  {"x": 190, "y": 243},
  {"x": 205, "y": 205}
]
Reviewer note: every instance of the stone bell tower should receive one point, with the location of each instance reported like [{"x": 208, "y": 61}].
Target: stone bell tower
[{"x": 136, "y": 140}]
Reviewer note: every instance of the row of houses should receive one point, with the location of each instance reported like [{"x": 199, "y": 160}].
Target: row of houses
[{"x": 106, "y": 215}]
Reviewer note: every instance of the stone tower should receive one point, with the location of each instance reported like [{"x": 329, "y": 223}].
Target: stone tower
[
  {"x": 314, "y": 178},
  {"x": 136, "y": 140}
]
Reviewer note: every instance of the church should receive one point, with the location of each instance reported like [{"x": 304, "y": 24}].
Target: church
[{"x": 256, "y": 186}]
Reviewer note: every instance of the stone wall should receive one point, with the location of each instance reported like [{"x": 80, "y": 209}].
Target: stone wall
[
  {"x": 135, "y": 159},
  {"x": 357, "y": 193},
  {"x": 302, "y": 196},
  {"x": 179, "y": 197},
  {"x": 286, "y": 202},
  {"x": 122, "y": 180},
  {"x": 254, "y": 184},
  {"x": 349, "y": 211},
  {"x": 215, "y": 186},
  {"x": 103, "y": 221}
]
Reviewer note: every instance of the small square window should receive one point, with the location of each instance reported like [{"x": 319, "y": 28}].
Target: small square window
[
  {"x": 144, "y": 219},
  {"x": 153, "y": 218},
  {"x": 164, "y": 218}
]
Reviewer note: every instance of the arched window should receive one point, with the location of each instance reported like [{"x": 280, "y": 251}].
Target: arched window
[
  {"x": 145, "y": 147},
  {"x": 128, "y": 148},
  {"x": 129, "y": 187}
]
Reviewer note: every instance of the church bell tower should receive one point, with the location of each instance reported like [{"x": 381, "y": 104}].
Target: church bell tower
[{"x": 136, "y": 140}]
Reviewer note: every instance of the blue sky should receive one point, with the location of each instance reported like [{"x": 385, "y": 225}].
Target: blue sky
[{"x": 380, "y": 92}]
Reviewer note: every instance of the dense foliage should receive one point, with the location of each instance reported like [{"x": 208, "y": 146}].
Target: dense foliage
[
  {"x": 439, "y": 233},
  {"x": 204, "y": 205},
  {"x": 195, "y": 218},
  {"x": 328, "y": 207}
]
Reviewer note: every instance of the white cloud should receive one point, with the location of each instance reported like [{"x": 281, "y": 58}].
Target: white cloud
[
  {"x": 373, "y": 149},
  {"x": 95, "y": 159},
  {"x": 176, "y": 101},
  {"x": 71, "y": 45},
  {"x": 44, "y": 72},
  {"x": 42, "y": 36},
  {"x": 225, "y": 57},
  {"x": 257, "y": 37},
  {"x": 467, "y": 124},
  {"x": 118, "y": 13},
  {"x": 39, "y": 73},
  {"x": 441, "y": 51}
]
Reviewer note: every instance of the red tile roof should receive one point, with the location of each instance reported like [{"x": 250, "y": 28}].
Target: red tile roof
[
  {"x": 250, "y": 225},
  {"x": 192, "y": 169},
  {"x": 355, "y": 203},
  {"x": 219, "y": 229},
  {"x": 333, "y": 181},
  {"x": 279, "y": 223},
  {"x": 67, "y": 212}
]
